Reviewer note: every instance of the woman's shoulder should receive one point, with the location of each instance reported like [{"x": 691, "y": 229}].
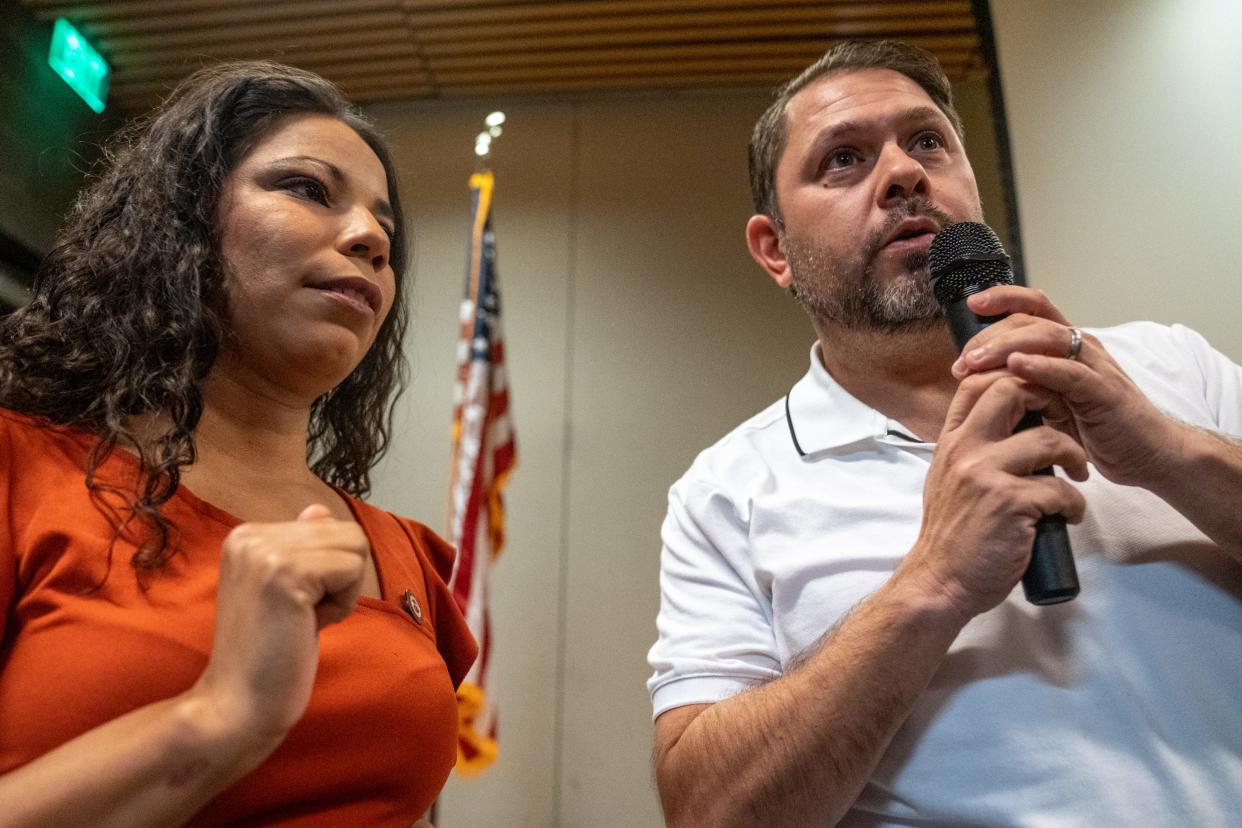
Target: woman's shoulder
[
  {"x": 15, "y": 421},
  {"x": 27, "y": 437},
  {"x": 397, "y": 529},
  {"x": 42, "y": 473}
]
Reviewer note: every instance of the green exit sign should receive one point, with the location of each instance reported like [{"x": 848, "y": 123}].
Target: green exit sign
[{"x": 79, "y": 64}]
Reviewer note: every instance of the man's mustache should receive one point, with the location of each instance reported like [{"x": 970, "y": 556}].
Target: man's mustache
[{"x": 919, "y": 207}]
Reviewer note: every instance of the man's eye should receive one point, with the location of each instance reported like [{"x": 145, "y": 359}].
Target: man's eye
[
  {"x": 929, "y": 141},
  {"x": 840, "y": 158}
]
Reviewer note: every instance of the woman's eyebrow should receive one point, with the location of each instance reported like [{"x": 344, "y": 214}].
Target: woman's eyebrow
[
  {"x": 381, "y": 207},
  {"x": 333, "y": 170}
]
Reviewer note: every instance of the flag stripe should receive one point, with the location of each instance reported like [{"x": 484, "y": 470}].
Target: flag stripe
[{"x": 484, "y": 455}]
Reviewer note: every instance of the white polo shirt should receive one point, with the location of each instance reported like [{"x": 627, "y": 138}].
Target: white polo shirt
[{"x": 1123, "y": 706}]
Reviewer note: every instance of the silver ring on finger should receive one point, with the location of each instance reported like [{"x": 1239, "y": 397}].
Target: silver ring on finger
[{"x": 1075, "y": 344}]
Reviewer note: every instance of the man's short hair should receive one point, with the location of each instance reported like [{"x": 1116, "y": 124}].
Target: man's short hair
[{"x": 767, "y": 141}]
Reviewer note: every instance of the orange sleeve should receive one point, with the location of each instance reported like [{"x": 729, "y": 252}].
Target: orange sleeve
[
  {"x": 453, "y": 638},
  {"x": 8, "y": 555}
]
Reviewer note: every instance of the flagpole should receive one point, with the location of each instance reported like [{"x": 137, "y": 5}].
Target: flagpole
[
  {"x": 493, "y": 128},
  {"x": 483, "y": 455}
]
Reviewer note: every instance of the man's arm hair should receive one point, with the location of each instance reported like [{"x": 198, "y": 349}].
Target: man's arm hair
[
  {"x": 798, "y": 750},
  {"x": 1205, "y": 486}
]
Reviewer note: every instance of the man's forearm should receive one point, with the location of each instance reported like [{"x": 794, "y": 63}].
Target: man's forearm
[
  {"x": 798, "y": 750},
  {"x": 1204, "y": 484}
]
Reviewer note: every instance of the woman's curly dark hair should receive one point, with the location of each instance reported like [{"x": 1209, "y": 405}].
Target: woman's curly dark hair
[{"x": 130, "y": 308}]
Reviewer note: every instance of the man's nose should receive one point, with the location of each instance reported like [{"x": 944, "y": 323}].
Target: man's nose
[{"x": 901, "y": 176}]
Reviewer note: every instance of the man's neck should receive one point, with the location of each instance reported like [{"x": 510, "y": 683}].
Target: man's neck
[{"x": 902, "y": 374}]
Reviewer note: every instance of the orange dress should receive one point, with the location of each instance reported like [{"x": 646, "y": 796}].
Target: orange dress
[{"x": 81, "y": 643}]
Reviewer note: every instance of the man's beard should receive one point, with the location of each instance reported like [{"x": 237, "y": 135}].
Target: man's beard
[{"x": 843, "y": 292}]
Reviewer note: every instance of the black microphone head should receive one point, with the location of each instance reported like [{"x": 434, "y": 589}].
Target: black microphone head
[{"x": 966, "y": 258}]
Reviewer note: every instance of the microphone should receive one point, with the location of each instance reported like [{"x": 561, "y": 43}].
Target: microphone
[{"x": 966, "y": 258}]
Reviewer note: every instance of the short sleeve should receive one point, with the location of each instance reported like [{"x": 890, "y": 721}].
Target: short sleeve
[
  {"x": 715, "y": 623},
  {"x": 8, "y": 555},
  {"x": 453, "y": 638},
  {"x": 1222, "y": 380}
]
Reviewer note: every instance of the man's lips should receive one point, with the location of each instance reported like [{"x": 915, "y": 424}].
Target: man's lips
[
  {"x": 354, "y": 291},
  {"x": 912, "y": 234}
]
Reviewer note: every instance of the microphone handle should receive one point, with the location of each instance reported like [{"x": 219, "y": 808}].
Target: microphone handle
[{"x": 1051, "y": 576}]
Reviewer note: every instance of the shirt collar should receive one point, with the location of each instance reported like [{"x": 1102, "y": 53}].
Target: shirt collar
[{"x": 822, "y": 415}]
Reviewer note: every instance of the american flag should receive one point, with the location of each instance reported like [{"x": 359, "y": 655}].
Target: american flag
[{"x": 484, "y": 454}]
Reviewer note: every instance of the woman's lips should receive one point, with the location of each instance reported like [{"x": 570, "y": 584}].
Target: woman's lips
[
  {"x": 350, "y": 298},
  {"x": 354, "y": 292}
]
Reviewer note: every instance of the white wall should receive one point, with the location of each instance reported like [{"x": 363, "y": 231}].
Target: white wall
[
  {"x": 1124, "y": 119},
  {"x": 639, "y": 332}
]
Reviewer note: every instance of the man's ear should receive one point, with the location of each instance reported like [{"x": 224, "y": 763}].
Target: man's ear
[{"x": 763, "y": 239}]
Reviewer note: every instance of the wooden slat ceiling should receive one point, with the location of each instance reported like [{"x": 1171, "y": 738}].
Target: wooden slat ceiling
[{"x": 409, "y": 49}]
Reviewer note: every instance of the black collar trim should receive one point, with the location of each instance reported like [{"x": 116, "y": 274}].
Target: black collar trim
[{"x": 789, "y": 420}]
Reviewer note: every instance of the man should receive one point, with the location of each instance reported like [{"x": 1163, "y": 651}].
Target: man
[{"x": 840, "y": 636}]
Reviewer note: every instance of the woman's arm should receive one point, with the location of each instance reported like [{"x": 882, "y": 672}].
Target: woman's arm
[
  {"x": 155, "y": 766},
  {"x": 280, "y": 583}
]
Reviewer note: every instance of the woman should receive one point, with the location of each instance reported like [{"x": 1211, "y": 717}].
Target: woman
[{"x": 204, "y": 623}]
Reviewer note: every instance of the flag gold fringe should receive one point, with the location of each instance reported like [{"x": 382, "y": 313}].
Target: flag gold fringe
[{"x": 475, "y": 751}]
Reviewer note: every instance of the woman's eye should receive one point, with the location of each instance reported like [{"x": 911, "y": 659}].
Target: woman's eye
[{"x": 309, "y": 188}]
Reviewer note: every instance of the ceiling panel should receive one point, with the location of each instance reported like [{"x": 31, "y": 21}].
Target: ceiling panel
[{"x": 410, "y": 49}]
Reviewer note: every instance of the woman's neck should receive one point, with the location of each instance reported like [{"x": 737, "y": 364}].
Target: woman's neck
[{"x": 250, "y": 447}]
